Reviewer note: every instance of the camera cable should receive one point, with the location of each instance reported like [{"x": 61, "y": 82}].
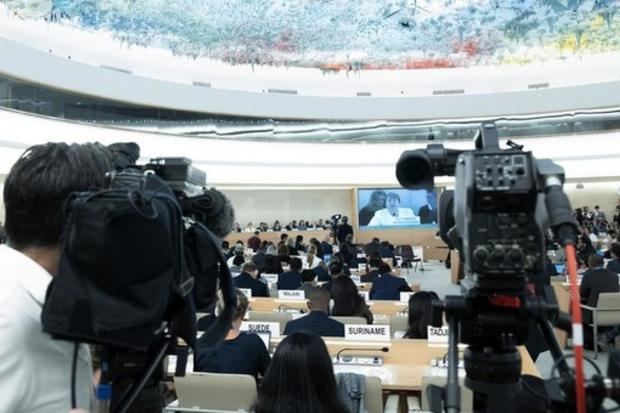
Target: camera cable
[{"x": 571, "y": 257}]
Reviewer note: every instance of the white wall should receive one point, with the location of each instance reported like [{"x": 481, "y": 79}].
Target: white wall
[
  {"x": 258, "y": 205},
  {"x": 603, "y": 194}
]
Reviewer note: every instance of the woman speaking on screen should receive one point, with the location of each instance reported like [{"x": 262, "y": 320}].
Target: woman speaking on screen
[{"x": 392, "y": 214}]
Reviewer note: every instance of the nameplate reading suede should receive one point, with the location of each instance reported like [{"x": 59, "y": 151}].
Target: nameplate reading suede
[
  {"x": 404, "y": 296},
  {"x": 438, "y": 335},
  {"x": 261, "y": 327},
  {"x": 356, "y": 279},
  {"x": 365, "y": 294},
  {"x": 367, "y": 332},
  {"x": 246, "y": 291},
  {"x": 291, "y": 294}
]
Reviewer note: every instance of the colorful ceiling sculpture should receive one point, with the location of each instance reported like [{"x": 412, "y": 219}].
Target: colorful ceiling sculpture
[{"x": 347, "y": 34}]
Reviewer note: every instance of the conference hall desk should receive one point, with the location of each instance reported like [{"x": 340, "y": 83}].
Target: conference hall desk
[
  {"x": 404, "y": 365},
  {"x": 378, "y": 307},
  {"x": 274, "y": 236}
]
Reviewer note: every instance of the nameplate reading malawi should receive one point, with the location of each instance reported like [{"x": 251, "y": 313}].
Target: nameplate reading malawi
[
  {"x": 291, "y": 294},
  {"x": 261, "y": 327},
  {"x": 367, "y": 332}
]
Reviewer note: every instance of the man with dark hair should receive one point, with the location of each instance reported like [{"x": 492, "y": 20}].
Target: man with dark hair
[
  {"x": 614, "y": 264},
  {"x": 308, "y": 278},
  {"x": 373, "y": 246},
  {"x": 335, "y": 270},
  {"x": 374, "y": 263},
  {"x": 317, "y": 321},
  {"x": 291, "y": 280},
  {"x": 254, "y": 241},
  {"x": 247, "y": 279},
  {"x": 35, "y": 371},
  {"x": 595, "y": 281}
]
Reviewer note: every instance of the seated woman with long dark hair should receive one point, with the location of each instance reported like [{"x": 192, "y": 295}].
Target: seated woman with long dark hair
[
  {"x": 348, "y": 301},
  {"x": 240, "y": 353},
  {"x": 300, "y": 379},
  {"x": 420, "y": 314}
]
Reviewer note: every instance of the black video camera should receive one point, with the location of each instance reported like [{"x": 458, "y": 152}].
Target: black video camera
[{"x": 496, "y": 216}]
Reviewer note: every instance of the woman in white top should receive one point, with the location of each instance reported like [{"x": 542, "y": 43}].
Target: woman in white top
[
  {"x": 392, "y": 214},
  {"x": 311, "y": 258}
]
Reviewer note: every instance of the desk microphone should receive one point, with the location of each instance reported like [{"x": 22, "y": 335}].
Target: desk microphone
[
  {"x": 284, "y": 307},
  {"x": 382, "y": 349}
]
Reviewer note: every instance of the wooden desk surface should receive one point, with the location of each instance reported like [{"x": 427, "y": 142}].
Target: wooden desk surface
[
  {"x": 404, "y": 365},
  {"x": 378, "y": 307}
]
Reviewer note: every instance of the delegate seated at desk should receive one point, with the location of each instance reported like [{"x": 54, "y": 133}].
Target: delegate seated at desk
[
  {"x": 317, "y": 321},
  {"x": 291, "y": 280},
  {"x": 392, "y": 214},
  {"x": 240, "y": 353},
  {"x": 595, "y": 281},
  {"x": 247, "y": 279}
]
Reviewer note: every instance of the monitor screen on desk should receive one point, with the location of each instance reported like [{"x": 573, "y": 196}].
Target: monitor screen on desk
[{"x": 387, "y": 208}]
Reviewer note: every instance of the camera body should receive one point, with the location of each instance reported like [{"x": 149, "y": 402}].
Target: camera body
[{"x": 497, "y": 214}]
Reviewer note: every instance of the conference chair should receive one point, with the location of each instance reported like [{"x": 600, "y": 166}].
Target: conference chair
[
  {"x": 214, "y": 392},
  {"x": 409, "y": 258},
  {"x": 399, "y": 323},
  {"x": 605, "y": 314},
  {"x": 271, "y": 316},
  {"x": 373, "y": 396},
  {"x": 349, "y": 320}
]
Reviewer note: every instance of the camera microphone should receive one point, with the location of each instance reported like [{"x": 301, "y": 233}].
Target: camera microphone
[
  {"x": 381, "y": 349},
  {"x": 212, "y": 209}
]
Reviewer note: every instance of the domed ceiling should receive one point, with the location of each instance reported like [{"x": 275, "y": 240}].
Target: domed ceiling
[{"x": 349, "y": 35}]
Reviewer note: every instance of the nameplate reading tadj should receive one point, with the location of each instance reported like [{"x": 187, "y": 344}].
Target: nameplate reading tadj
[
  {"x": 261, "y": 327},
  {"x": 438, "y": 335},
  {"x": 291, "y": 294},
  {"x": 367, "y": 332}
]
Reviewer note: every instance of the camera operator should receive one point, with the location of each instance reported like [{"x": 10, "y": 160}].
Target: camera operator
[
  {"x": 35, "y": 370},
  {"x": 343, "y": 230}
]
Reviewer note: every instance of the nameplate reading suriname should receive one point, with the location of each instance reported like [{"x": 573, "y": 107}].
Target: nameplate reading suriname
[
  {"x": 291, "y": 294},
  {"x": 261, "y": 327},
  {"x": 367, "y": 332}
]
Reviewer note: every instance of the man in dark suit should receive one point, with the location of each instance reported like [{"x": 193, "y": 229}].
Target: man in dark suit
[
  {"x": 291, "y": 280},
  {"x": 614, "y": 264},
  {"x": 388, "y": 287},
  {"x": 428, "y": 212},
  {"x": 595, "y": 281},
  {"x": 373, "y": 246},
  {"x": 326, "y": 248},
  {"x": 344, "y": 229},
  {"x": 374, "y": 263},
  {"x": 317, "y": 320},
  {"x": 247, "y": 279}
]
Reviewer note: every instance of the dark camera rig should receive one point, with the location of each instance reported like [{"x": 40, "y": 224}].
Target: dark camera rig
[
  {"x": 496, "y": 216},
  {"x": 138, "y": 257}
]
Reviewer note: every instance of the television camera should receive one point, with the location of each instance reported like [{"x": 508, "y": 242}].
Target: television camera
[
  {"x": 138, "y": 258},
  {"x": 503, "y": 201}
]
